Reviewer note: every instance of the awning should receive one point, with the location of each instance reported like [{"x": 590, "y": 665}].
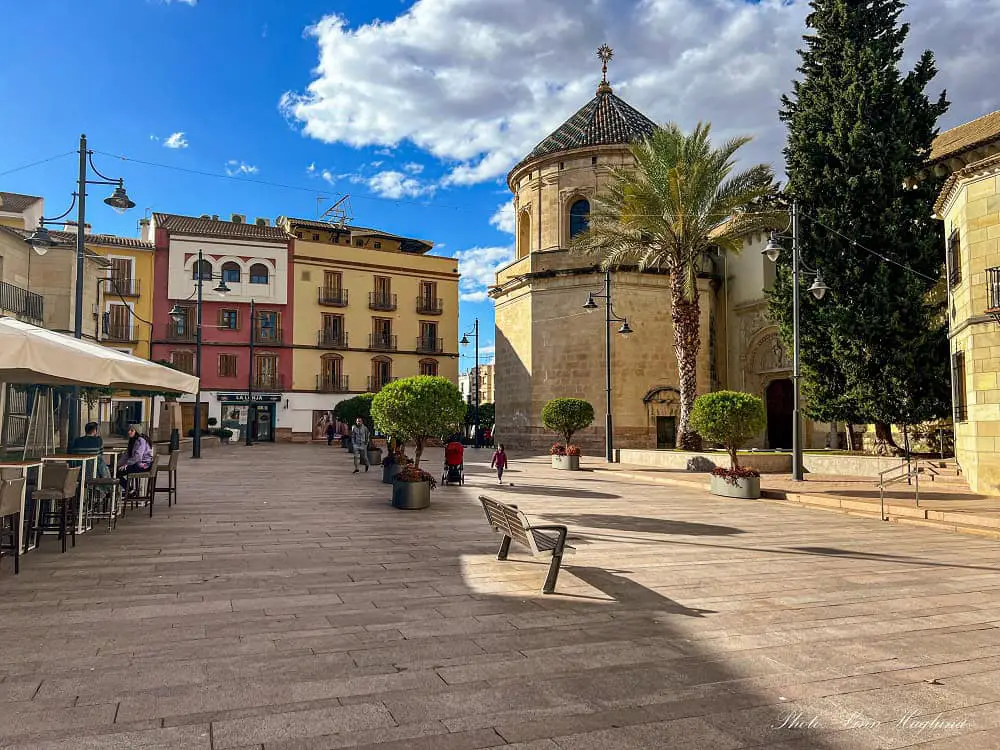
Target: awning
[{"x": 29, "y": 354}]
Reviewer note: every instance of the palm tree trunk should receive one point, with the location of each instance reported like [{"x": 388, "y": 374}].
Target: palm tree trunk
[{"x": 686, "y": 317}]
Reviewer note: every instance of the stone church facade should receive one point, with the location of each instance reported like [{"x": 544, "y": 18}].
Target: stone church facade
[{"x": 548, "y": 346}]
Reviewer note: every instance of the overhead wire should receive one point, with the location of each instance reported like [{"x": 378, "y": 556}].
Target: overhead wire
[{"x": 35, "y": 163}]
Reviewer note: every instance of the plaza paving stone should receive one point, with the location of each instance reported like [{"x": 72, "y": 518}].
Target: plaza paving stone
[{"x": 284, "y": 604}]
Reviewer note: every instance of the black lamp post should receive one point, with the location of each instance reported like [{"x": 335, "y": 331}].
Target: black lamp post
[
  {"x": 41, "y": 241},
  {"x": 475, "y": 413},
  {"x": 177, "y": 313},
  {"x": 250, "y": 407},
  {"x": 818, "y": 289},
  {"x": 625, "y": 330}
]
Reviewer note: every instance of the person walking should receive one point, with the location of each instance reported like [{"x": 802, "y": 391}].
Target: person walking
[
  {"x": 499, "y": 462},
  {"x": 359, "y": 443},
  {"x": 331, "y": 433}
]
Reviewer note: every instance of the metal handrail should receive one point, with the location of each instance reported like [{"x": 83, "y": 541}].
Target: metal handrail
[{"x": 910, "y": 471}]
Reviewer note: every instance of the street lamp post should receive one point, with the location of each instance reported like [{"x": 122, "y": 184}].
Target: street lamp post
[
  {"x": 41, "y": 242},
  {"x": 818, "y": 289},
  {"x": 475, "y": 413},
  {"x": 625, "y": 330},
  {"x": 177, "y": 313},
  {"x": 250, "y": 408}
]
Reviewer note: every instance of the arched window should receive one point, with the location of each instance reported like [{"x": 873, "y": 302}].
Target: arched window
[
  {"x": 258, "y": 273},
  {"x": 428, "y": 367},
  {"x": 202, "y": 269},
  {"x": 523, "y": 235},
  {"x": 332, "y": 379},
  {"x": 231, "y": 272},
  {"x": 579, "y": 217}
]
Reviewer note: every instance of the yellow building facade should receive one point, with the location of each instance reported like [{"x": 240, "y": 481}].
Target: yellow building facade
[{"x": 369, "y": 307}]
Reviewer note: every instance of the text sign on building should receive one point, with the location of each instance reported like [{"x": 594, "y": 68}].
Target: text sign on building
[{"x": 244, "y": 396}]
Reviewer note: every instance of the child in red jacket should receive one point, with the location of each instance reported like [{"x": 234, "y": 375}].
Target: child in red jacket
[{"x": 499, "y": 462}]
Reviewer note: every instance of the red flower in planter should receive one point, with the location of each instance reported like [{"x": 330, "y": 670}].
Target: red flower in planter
[
  {"x": 558, "y": 449},
  {"x": 733, "y": 475},
  {"x": 411, "y": 473},
  {"x": 572, "y": 450}
]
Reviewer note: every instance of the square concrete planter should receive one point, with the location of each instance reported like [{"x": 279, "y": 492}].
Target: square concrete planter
[
  {"x": 566, "y": 463},
  {"x": 411, "y": 495},
  {"x": 745, "y": 488}
]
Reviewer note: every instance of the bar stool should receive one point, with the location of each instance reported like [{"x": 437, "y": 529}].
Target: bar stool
[
  {"x": 10, "y": 508},
  {"x": 170, "y": 469},
  {"x": 58, "y": 487},
  {"x": 105, "y": 500}
]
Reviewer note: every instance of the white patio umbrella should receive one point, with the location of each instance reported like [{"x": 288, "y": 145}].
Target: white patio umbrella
[{"x": 29, "y": 354}]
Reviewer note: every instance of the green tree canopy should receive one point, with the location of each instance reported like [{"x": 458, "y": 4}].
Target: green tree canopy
[
  {"x": 487, "y": 415},
  {"x": 875, "y": 348},
  {"x": 682, "y": 199},
  {"x": 350, "y": 409},
  {"x": 418, "y": 408},
  {"x": 729, "y": 418},
  {"x": 567, "y": 416}
]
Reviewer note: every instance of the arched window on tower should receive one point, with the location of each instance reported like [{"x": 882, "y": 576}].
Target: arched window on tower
[
  {"x": 523, "y": 235},
  {"x": 579, "y": 217}
]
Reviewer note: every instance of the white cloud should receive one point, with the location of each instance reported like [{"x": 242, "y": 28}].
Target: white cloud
[
  {"x": 392, "y": 184},
  {"x": 176, "y": 140},
  {"x": 413, "y": 168},
  {"x": 192, "y": 3},
  {"x": 527, "y": 66},
  {"x": 478, "y": 268},
  {"x": 234, "y": 168},
  {"x": 503, "y": 219},
  {"x": 153, "y": 137},
  {"x": 311, "y": 169}
]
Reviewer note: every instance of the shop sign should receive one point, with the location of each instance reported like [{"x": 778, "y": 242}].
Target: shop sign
[{"x": 244, "y": 396}]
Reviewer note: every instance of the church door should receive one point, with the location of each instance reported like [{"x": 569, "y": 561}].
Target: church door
[
  {"x": 666, "y": 433},
  {"x": 778, "y": 399}
]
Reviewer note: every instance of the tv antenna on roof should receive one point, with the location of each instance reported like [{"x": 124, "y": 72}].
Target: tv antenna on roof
[{"x": 340, "y": 213}]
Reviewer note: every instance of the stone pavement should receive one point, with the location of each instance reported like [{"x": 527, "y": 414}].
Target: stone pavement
[{"x": 284, "y": 604}]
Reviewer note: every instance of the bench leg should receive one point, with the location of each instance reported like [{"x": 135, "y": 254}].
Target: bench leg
[
  {"x": 550, "y": 579},
  {"x": 504, "y": 548}
]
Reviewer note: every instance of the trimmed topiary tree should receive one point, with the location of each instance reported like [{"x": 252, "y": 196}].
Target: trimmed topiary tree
[
  {"x": 418, "y": 408},
  {"x": 730, "y": 418},
  {"x": 566, "y": 416},
  {"x": 349, "y": 410}
]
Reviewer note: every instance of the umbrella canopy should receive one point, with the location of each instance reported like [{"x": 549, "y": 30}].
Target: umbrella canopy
[{"x": 29, "y": 354}]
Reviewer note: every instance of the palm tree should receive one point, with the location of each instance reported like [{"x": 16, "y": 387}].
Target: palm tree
[{"x": 681, "y": 199}]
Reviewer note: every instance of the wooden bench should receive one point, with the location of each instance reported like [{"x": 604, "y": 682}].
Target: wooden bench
[{"x": 542, "y": 541}]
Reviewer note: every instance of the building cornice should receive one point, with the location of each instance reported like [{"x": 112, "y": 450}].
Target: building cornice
[{"x": 949, "y": 192}]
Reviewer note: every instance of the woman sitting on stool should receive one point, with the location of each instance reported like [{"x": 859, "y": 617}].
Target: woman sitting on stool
[{"x": 139, "y": 457}]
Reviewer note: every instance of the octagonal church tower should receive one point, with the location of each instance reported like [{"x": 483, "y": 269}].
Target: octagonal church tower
[{"x": 547, "y": 345}]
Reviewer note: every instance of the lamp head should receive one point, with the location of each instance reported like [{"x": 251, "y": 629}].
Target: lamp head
[
  {"x": 221, "y": 288},
  {"x": 119, "y": 200},
  {"x": 626, "y": 329},
  {"x": 590, "y": 305},
  {"x": 773, "y": 248},
  {"x": 40, "y": 240},
  {"x": 818, "y": 288},
  {"x": 176, "y": 313},
  {"x": 464, "y": 341}
]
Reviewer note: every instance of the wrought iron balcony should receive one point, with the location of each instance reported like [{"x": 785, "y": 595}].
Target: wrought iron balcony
[
  {"x": 182, "y": 331},
  {"x": 332, "y": 296},
  {"x": 123, "y": 287},
  {"x": 21, "y": 303},
  {"x": 268, "y": 381},
  {"x": 381, "y": 301},
  {"x": 382, "y": 342},
  {"x": 429, "y": 306},
  {"x": 332, "y": 339},
  {"x": 993, "y": 293},
  {"x": 377, "y": 384},
  {"x": 428, "y": 345},
  {"x": 267, "y": 335},
  {"x": 332, "y": 383}
]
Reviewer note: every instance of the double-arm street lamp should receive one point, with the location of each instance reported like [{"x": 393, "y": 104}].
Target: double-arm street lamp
[
  {"x": 818, "y": 290},
  {"x": 625, "y": 330},
  {"x": 475, "y": 414},
  {"x": 177, "y": 314},
  {"x": 41, "y": 241}
]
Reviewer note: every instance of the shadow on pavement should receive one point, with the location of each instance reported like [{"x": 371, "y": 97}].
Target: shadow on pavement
[{"x": 640, "y": 524}]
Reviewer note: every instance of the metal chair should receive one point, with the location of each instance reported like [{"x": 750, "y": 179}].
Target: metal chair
[
  {"x": 10, "y": 507},
  {"x": 59, "y": 487},
  {"x": 146, "y": 480},
  {"x": 170, "y": 469},
  {"x": 104, "y": 500}
]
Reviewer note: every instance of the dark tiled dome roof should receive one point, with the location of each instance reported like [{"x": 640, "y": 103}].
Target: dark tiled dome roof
[{"x": 604, "y": 120}]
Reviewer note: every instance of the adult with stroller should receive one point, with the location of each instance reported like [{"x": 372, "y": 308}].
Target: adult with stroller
[{"x": 454, "y": 461}]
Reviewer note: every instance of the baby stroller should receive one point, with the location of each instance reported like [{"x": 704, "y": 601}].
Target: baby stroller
[{"x": 454, "y": 466}]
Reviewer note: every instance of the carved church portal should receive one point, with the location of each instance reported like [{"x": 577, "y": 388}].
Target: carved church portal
[{"x": 779, "y": 402}]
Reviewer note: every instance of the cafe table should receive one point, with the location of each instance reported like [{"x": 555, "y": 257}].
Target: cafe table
[
  {"x": 22, "y": 468},
  {"x": 89, "y": 469},
  {"x": 114, "y": 453}
]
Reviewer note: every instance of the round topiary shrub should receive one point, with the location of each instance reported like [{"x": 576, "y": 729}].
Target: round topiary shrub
[
  {"x": 417, "y": 409},
  {"x": 566, "y": 416},
  {"x": 730, "y": 418}
]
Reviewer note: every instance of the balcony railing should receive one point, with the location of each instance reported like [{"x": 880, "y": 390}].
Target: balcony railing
[
  {"x": 429, "y": 306},
  {"x": 124, "y": 287},
  {"x": 332, "y": 297},
  {"x": 332, "y": 383},
  {"x": 427, "y": 345},
  {"x": 267, "y": 336},
  {"x": 377, "y": 384},
  {"x": 20, "y": 302},
  {"x": 120, "y": 333},
  {"x": 332, "y": 339},
  {"x": 186, "y": 331},
  {"x": 381, "y": 301},
  {"x": 268, "y": 381},
  {"x": 993, "y": 293},
  {"x": 382, "y": 342}
]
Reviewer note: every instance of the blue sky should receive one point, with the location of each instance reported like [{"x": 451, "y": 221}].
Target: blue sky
[{"x": 417, "y": 109}]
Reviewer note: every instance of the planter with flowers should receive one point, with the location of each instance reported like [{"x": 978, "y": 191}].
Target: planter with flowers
[
  {"x": 730, "y": 418},
  {"x": 418, "y": 409},
  {"x": 567, "y": 416},
  {"x": 393, "y": 464}
]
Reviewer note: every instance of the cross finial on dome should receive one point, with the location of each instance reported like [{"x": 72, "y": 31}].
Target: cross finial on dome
[{"x": 605, "y": 54}]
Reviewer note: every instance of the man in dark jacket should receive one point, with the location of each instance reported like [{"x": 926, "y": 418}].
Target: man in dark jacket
[{"x": 359, "y": 443}]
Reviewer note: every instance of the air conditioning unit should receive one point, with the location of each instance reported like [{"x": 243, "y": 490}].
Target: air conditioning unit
[
  {"x": 205, "y": 216},
  {"x": 215, "y": 217},
  {"x": 262, "y": 222},
  {"x": 238, "y": 219}
]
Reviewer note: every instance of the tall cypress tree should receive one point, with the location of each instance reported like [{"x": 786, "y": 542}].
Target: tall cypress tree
[{"x": 875, "y": 348}]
